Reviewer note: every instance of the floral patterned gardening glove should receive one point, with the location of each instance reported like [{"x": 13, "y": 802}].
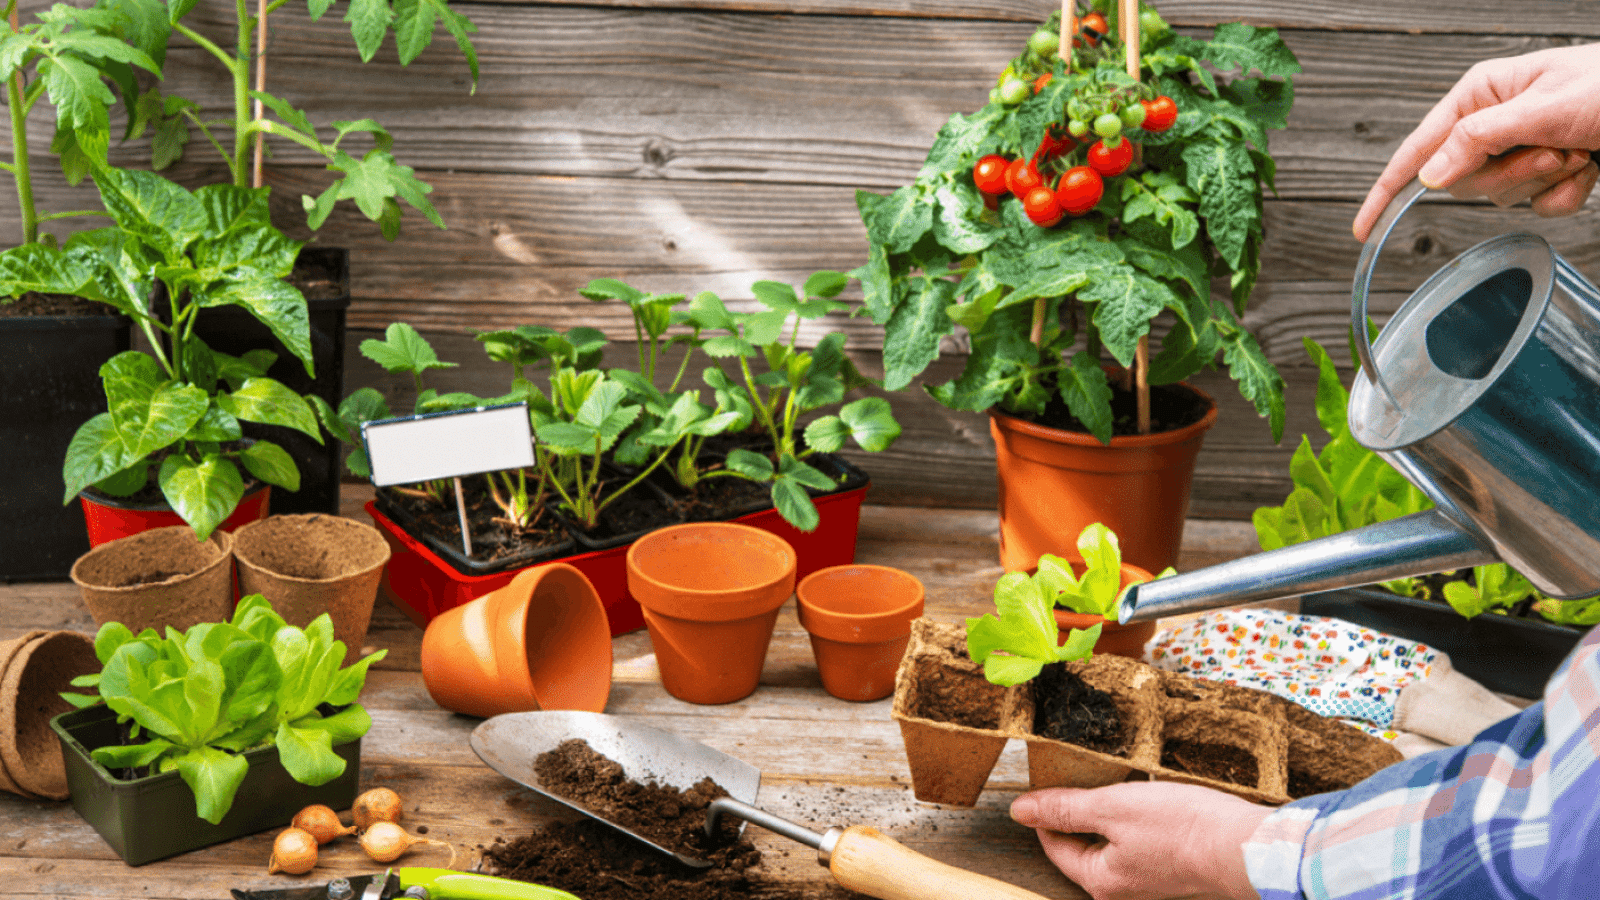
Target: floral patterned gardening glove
[{"x": 1382, "y": 684}]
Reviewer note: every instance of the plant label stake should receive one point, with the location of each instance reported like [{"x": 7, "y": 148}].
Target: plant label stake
[{"x": 435, "y": 446}]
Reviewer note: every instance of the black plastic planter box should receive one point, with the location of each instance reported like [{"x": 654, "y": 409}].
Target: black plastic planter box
[
  {"x": 151, "y": 818},
  {"x": 50, "y": 370},
  {"x": 1510, "y": 655}
]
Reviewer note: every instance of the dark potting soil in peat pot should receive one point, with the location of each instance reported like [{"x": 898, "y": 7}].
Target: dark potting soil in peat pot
[
  {"x": 1066, "y": 708},
  {"x": 595, "y": 862}
]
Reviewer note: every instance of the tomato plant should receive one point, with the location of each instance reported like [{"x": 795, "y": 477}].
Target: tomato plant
[
  {"x": 989, "y": 175},
  {"x": 1110, "y": 160},
  {"x": 1041, "y": 207},
  {"x": 1021, "y": 177},
  {"x": 1080, "y": 190},
  {"x": 1093, "y": 27},
  {"x": 1159, "y": 114}
]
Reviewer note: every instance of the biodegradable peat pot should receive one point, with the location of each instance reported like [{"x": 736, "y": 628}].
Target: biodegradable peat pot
[
  {"x": 540, "y": 642},
  {"x": 34, "y": 670},
  {"x": 152, "y": 817},
  {"x": 710, "y": 592},
  {"x": 859, "y": 619},
  {"x": 158, "y": 578},
  {"x": 952, "y": 719},
  {"x": 110, "y": 518},
  {"x": 1115, "y": 638},
  {"x": 313, "y": 563},
  {"x": 1054, "y": 483}
]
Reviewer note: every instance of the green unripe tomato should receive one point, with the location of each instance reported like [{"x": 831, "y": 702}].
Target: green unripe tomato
[
  {"x": 1151, "y": 25},
  {"x": 1044, "y": 42},
  {"x": 1077, "y": 127},
  {"x": 994, "y": 95},
  {"x": 1132, "y": 115},
  {"x": 1014, "y": 90},
  {"x": 1108, "y": 125}
]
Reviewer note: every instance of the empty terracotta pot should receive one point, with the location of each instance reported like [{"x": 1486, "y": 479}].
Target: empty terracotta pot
[
  {"x": 310, "y": 564},
  {"x": 540, "y": 642},
  {"x": 859, "y": 618},
  {"x": 34, "y": 670},
  {"x": 710, "y": 593},
  {"x": 1116, "y": 639},
  {"x": 158, "y": 578}
]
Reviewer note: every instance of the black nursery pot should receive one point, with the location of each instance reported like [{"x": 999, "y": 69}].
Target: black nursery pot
[
  {"x": 232, "y": 330},
  {"x": 151, "y": 818},
  {"x": 1506, "y": 654},
  {"x": 50, "y": 367}
]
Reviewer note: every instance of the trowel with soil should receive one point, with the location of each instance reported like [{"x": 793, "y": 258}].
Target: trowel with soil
[{"x": 859, "y": 857}]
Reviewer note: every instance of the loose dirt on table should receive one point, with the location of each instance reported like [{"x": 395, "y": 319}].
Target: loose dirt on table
[{"x": 595, "y": 862}]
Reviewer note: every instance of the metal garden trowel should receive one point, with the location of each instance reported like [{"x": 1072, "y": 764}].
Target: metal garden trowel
[{"x": 860, "y": 857}]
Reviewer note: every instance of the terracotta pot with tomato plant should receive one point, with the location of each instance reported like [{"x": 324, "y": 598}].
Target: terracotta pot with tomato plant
[{"x": 1096, "y": 194}]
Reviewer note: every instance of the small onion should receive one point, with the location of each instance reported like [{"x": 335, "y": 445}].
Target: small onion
[
  {"x": 322, "y": 822},
  {"x": 387, "y": 842},
  {"x": 375, "y": 805},
  {"x": 294, "y": 852}
]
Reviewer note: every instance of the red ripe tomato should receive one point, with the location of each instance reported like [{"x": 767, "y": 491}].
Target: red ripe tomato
[
  {"x": 1041, "y": 206},
  {"x": 1080, "y": 190},
  {"x": 989, "y": 175},
  {"x": 1042, "y": 82},
  {"x": 1093, "y": 27},
  {"x": 1111, "y": 161},
  {"x": 1159, "y": 114},
  {"x": 1022, "y": 177}
]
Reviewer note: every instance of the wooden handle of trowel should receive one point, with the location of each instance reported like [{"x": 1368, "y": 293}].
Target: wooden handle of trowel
[{"x": 869, "y": 862}]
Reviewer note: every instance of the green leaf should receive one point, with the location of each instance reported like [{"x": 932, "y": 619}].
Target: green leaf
[
  {"x": 271, "y": 402},
  {"x": 1224, "y": 176},
  {"x": 751, "y": 465},
  {"x": 1235, "y": 45},
  {"x": 403, "y": 349},
  {"x": 789, "y": 497},
  {"x": 1087, "y": 393},
  {"x": 369, "y": 22},
  {"x": 897, "y": 221},
  {"x": 202, "y": 493},
  {"x": 307, "y": 754},
  {"x": 271, "y": 463},
  {"x": 913, "y": 332},
  {"x": 153, "y": 210},
  {"x": 214, "y": 776}
]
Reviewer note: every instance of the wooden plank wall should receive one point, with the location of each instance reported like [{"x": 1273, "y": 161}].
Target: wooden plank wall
[{"x": 689, "y": 145}]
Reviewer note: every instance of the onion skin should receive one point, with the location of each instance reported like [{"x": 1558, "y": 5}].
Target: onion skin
[
  {"x": 386, "y": 842},
  {"x": 375, "y": 805},
  {"x": 294, "y": 852},
  {"x": 322, "y": 822}
]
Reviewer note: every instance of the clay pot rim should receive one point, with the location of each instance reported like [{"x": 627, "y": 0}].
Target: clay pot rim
[
  {"x": 509, "y": 645},
  {"x": 367, "y": 533},
  {"x": 222, "y": 539},
  {"x": 866, "y": 627},
  {"x": 1011, "y": 423},
  {"x": 1131, "y": 575},
  {"x": 714, "y": 602}
]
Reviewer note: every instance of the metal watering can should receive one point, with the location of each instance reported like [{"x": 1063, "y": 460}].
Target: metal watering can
[{"x": 1484, "y": 391}]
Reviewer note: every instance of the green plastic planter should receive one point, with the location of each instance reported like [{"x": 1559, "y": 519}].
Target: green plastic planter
[{"x": 151, "y": 818}]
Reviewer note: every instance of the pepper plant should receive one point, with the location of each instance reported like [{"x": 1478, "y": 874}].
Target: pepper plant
[{"x": 1042, "y": 303}]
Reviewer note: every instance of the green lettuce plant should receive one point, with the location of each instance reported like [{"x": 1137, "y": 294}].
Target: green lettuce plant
[
  {"x": 196, "y": 700},
  {"x": 1098, "y": 590},
  {"x": 177, "y": 409},
  {"x": 1040, "y": 306},
  {"x": 1019, "y": 639}
]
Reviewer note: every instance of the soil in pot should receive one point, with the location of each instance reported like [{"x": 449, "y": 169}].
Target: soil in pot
[
  {"x": 494, "y": 539},
  {"x": 34, "y": 303},
  {"x": 596, "y": 862},
  {"x": 1219, "y": 762},
  {"x": 1066, "y": 708},
  {"x": 952, "y": 686},
  {"x": 718, "y": 499},
  {"x": 1172, "y": 406}
]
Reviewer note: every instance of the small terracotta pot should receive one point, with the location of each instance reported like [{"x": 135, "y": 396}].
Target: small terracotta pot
[
  {"x": 310, "y": 564},
  {"x": 196, "y": 579},
  {"x": 1054, "y": 483},
  {"x": 540, "y": 642},
  {"x": 710, "y": 592},
  {"x": 1115, "y": 639},
  {"x": 34, "y": 670},
  {"x": 859, "y": 619},
  {"x": 109, "y": 518}
]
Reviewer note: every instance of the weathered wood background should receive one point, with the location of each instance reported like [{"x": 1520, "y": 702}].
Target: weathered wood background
[{"x": 695, "y": 145}]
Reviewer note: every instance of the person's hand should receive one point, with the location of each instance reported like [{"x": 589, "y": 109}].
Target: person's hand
[
  {"x": 1512, "y": 129},
  {"x": 1145, "y": 840}
]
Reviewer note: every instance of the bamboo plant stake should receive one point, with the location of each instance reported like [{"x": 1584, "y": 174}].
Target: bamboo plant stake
[
  {"x": 261, "y": 86},
  {"x": 1069, "y": 28},
  {"x": 1129, "y": 26}
]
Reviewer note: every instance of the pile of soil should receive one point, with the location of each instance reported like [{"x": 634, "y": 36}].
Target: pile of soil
[
  {"x": 1066, "y": 708},
  {"x": 596, "y": 862}
]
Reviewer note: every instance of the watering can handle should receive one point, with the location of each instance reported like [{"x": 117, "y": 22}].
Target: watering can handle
[{"x": 1397, "y": 207}]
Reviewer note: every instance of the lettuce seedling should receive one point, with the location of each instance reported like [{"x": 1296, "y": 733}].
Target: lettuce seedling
[
  {"x": 1494, "y": 586},
  {"x": 195, "y": 701},
  {"x": 1015, "y": 646},
  {"x": 1097, "y": 591}
]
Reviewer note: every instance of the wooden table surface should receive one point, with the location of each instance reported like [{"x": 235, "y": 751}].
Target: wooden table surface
[{"x": 824, "y": 761}]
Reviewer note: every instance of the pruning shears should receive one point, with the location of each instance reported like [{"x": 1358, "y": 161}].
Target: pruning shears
[{"x": 415, "y": 882}]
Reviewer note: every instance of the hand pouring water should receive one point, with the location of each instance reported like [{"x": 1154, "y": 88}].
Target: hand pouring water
[
  {"x": 1484, "y": 391},
  {"x": 860, "y": 857}
]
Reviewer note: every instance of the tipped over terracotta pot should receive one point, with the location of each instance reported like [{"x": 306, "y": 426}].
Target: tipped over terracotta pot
[
  {"x": 540, "y": 642},
  {"x": 710, "y": 592}
]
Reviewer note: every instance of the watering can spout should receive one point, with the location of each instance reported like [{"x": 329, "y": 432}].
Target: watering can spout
[{"x": 1417, "y": 544}]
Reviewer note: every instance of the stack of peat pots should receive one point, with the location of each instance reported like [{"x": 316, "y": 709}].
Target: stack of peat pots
[{"x": 34, "y": 669}]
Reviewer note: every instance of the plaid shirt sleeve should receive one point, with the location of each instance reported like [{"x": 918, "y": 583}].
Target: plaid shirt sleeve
[{"x": 1514, "y": 814}]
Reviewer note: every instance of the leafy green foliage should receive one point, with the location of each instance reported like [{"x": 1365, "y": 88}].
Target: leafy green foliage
[
  {"x": 939, "y": 260},
  {"x": 1019, "y": 639},
  {"x": 198, "y": 699},
  {"x": 180, "y": 407},
  {"x": 1495, "y": 586}
]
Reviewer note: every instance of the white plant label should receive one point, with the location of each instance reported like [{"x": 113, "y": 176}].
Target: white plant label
[{"x": 448, "y": 444}]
